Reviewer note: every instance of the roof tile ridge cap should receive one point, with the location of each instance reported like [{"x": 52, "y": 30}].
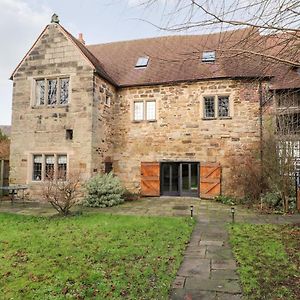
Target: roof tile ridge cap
[{"x": 90, "y": 53}]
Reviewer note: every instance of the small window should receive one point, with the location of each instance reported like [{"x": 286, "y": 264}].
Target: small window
[
  {"x": 142, "y": 62},
  {"x": 209, "y": 107},
  {"x": 69, "y": 134},
  {"x": 37, "y": 167},
  {"x": 150, "y": 110},
  {"x": 108, "y": 167},
  {"x": 139, "y": 111},
  {"x": 107, "y": 100},
  {"x": 223, "y": 106},
  {"x": 208, "y": 56}
]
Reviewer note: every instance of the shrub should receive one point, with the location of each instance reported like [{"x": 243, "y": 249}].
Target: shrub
[
  {"x": 129, "y": 196},
  {"x": 104, "y": 190},
  {"x": 226, "y": 200},
  {"x": 62, "y": 194}
]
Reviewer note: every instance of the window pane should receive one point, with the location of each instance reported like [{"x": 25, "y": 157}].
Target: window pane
[
  {"x": 40, "y": 92},
  {"x": 62, "y": 167},
  {"x": 209, "y": 107},
  {"x": 64, "y": 91},
  {"x": 37, "y": 167},
  {"x": 223, "y": 103},
  {"x": 49, "y": 168},
  {"x": 138, "y": 111},
  {"x": 151, "y": 110},
  {"x": 52, "y": 91}
]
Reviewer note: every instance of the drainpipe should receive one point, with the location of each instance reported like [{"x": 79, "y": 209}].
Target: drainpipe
[
  {"x": 261, "y": 135},
  {"x": 1, "y": 175}
]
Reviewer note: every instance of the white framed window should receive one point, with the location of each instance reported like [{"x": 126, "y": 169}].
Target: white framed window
[
  {"x": 216, "y": 107},
  {"x": 107, "y": 100},
  {"x": 144, "y": 110},
  {"x": 49, "y": 166},
  {"x": 51, "y": 91}
]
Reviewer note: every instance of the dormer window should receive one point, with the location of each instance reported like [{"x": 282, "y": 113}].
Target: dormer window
[
  {"x": 142, "y": 62},
  {"x": 209, "y": 56}
]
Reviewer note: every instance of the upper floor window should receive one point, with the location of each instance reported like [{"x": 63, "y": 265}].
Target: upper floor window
[
  {"x": 52, "y": 91},
  {"x": 144, "y": 110},
  {"x": 216, "y": 107}
]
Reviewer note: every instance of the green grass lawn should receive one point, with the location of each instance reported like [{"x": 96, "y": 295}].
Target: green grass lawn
[
  {"x": 269, "y": 260},
  {"x": 96, "y": 256}
]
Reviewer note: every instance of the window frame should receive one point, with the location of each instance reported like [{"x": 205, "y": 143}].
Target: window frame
[
  {"x": 46, "y": 79},
  {"x": 56, "y": 156},
  {"x": 216, "y": 107},
  {"x": 145, "y": 117}
]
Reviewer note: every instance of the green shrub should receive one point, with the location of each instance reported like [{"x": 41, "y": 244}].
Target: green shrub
[
  {"x": 225, "y": 200},
  {"x": 104, "y": 190}
]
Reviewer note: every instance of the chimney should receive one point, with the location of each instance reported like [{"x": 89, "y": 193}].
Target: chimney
[{"x": 80, "y": 39}]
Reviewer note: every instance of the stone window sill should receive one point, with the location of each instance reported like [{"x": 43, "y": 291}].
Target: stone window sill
[{"x": 50, "y": 106}]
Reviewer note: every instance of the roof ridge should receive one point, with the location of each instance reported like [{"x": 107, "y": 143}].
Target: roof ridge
[{"x": 172, "y": 36}]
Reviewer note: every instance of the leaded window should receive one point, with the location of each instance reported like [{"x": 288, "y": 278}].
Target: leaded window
[
  {"x": 40, "y": 92},
  {"x": 49, "y": 167},
  {"x": 64, "y": 90},
  {"x": 62, "y": 167},
  {"x": 37, "y": 167},
  {"x": 209, "y": 107},
  {"x": 223, "y": 106},
  {"x": 52, "y": 92}
]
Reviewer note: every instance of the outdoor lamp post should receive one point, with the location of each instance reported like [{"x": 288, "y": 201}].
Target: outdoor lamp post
[
  {"x": 192, "y": 211},
  {"x": 232, "y": 213}
]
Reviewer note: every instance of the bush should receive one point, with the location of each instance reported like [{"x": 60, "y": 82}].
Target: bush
[
  {"x": 104, "y": 190},
  {"x": 226, "y": 200},
  {"x": 129, "y": 196}
]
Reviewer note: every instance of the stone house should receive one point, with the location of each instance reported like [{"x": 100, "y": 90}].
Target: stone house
[{"x": 167, "y": 114}]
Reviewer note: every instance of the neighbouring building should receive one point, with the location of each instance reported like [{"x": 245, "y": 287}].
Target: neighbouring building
[{"x": 167, "y": 114}]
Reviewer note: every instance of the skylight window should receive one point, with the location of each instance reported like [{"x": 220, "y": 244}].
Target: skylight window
[
  {"x": 142, "y": 62},
  {"x": 209, "y": 56}
]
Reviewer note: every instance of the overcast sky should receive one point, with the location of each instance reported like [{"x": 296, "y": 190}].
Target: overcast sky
[{"x": 21, "y": 21}]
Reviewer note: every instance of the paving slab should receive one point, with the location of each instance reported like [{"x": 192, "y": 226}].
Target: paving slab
[
  {"x": 182, "y": 294},
  {"x": 224, "y": 274},
  {"x": 213, "y": 285},
  {"x": 225, "y": 264},
  {"x": 194, "y": 266}
]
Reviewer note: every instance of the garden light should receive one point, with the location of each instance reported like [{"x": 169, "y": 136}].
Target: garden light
[
  {"x": 232, "y": 213},
  {"x": 192, "y": 211}
]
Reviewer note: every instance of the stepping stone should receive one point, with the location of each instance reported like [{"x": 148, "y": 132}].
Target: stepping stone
[
  {"x": 194, "y": 266},
  {"x": 226, "y": 286},
  {"x": 219, "y": 253}
]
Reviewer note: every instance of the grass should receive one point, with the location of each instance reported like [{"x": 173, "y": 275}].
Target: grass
[
  {"x": 268, "y": 258},
  {"x": 96, "y": 256}
]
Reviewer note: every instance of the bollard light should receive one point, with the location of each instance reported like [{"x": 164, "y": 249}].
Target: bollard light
[
  {"x": 192, "y": 211},
  {"x": 232, "y": 213}
]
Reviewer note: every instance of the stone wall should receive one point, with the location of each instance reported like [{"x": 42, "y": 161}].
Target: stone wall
[
  {"x": 42, "y": 129},
  {"x": 103, "y": 120},
  {"x": 180, "y": 132}
]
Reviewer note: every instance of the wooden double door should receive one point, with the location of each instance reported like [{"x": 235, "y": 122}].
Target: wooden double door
[{"x": 179, "y": 179}]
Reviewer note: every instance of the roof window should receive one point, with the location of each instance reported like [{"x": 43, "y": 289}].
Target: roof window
[
  {"x": 142, "y": 62},
  {"x": 209, "y": 56}
]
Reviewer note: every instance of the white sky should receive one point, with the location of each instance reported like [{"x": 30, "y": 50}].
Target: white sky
[{"x": 21, "y": 21}]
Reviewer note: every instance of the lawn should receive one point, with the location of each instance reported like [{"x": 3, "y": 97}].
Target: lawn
[
  {"x": 269, "y": 260},
  {"x": 95, "y": 256}
]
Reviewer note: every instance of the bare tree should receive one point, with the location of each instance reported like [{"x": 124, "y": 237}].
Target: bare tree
[{"x": 62, "y": 193}]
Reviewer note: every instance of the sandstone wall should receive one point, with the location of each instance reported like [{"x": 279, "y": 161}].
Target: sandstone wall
[
  {"x": 180, "y": 132},
  {"x": 42, "y": 129}
]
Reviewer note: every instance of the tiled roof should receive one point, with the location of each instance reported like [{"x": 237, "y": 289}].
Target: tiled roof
[{"x": 178, "y": 58}]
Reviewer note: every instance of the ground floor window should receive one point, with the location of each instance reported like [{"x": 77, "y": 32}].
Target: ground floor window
[{"x": 49, "y": 166}]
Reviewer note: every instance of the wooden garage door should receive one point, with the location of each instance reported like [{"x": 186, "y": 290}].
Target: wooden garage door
[
  {"x": 210, "y": 180},
  {"x": 150, "y": 183}
]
